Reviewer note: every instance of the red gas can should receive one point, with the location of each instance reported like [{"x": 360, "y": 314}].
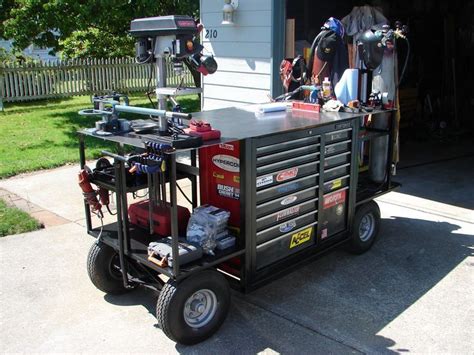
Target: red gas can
[
  {"x": 139, "y": 216},
  {"x": 219, "y": 167}
]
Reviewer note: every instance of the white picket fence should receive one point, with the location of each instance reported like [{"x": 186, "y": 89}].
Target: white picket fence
[{"x": 79, "y": 77}]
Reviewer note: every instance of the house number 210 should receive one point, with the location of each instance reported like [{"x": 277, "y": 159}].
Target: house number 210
[{"x": 210, "y": 34}]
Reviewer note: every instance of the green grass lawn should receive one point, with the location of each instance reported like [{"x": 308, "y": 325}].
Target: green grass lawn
[
  {"x": 42, "y": 134},
  {"x": 15, "y": 221}
]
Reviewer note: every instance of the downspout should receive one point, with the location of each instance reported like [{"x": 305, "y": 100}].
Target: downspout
[{"x": 278, "y": 45}]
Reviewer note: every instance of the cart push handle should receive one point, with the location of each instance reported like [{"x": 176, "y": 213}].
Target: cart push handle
[
  {"x": 151, "y": 112},
  {"x": 115, "y": 156},
  {"x": 133, "y": 109}
]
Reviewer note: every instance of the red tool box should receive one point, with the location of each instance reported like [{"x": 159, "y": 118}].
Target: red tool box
[
  {"x": 139, "y": 216},
  {"x": 202, "y": 129},
  {"x": 219, "y": 176}
]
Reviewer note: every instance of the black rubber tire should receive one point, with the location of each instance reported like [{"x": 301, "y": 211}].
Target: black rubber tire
[
  {"x": 99, "y": 267},
  {"x": 102, "y": 163},
  {"x": 173, "y": 296},
  {"x": 355, "y": 244}
]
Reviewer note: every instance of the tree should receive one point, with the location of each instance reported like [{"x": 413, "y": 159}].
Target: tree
[{"x": 81, "y": 28}]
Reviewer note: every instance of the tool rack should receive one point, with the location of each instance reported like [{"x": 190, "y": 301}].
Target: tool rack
[{"x": 318, "y": 152}]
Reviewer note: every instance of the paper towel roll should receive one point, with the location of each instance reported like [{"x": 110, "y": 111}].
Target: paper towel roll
[
  {"x": 272, "y": 107},
  {"x": 347, "y": 88}
]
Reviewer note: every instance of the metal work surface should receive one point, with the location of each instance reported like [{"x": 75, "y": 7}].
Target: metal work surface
[
  {"x": 241, "y": 123},
  {"x": 238, "y": 123}
]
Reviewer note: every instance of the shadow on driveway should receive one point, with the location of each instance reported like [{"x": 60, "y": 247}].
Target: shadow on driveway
[{"x": 339, "y": 299}]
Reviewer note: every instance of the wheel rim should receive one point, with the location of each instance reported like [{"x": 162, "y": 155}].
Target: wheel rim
[
  {"x": 200, "y": 308},
  {"x": 366, "y": 227},
  {"x": 114, "y": 267}
]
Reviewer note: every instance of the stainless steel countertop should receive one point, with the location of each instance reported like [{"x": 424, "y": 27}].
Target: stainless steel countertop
[{"x": 242, "y": 123}]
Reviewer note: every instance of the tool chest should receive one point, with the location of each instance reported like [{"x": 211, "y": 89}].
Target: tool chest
[
  {"x": 301, "y": 190},
  {"x": 287, "y": 194}
]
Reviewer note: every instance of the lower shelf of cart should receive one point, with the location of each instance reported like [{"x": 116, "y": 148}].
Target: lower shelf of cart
[
  {"x": 111, "y": 185},
  {"x": 367, "y": 190},
  {"x": 139, "y": 240}
]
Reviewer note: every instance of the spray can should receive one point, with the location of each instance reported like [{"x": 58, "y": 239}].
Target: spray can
[{"x": 326, "y": 89}]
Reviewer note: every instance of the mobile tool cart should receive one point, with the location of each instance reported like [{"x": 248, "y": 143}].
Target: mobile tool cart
[{"x": 298, "y": 190}]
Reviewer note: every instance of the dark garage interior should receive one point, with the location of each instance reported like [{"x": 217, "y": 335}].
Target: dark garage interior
[{"x": 436, "y": 96}]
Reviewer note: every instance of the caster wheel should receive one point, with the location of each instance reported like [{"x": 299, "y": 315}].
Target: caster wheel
[
  {"x": 366, "y": 228},
  {"x": 103, "y": 267},
  {"x": 192, "y": 310}
]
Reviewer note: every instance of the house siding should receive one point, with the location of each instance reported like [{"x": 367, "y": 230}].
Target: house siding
[
  {"x": 31, "y": 51},
  {"x": 243, "y": 53}
]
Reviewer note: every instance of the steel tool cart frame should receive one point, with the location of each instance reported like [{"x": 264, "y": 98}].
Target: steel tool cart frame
[{"x": 303, "y": 143}]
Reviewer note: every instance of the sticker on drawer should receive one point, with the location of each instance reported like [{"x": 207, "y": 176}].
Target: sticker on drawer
[
  {"x": 324, "y": 233},
  {"x": 336, "y": 184},
  {"x": 265, "y": 180},
  {"x": 287, "y": 174},
  {"x": 334, "y": 199},
  {"x": 289, "y": 200},
  {"x": 337, "y": 136},
  {"x": 287, "y": 227},
  {"x": 301, "y": 237},
  {"x": 288, "y": 212},
  {"x": 288, "y": 188},
  {"x": 226, "y": 162},
  {"x": 228, "y": 191},
  {"x": 226, "y": 146}
]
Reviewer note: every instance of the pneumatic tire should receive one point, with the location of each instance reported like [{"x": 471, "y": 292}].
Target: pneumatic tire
[
  {"x": 192, "y": 310},
  {"x": 365, "y": 228},
  {"x": 103, "y": 267}
]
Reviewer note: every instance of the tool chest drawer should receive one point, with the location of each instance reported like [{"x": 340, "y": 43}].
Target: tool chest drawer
[
  {"x": 304, "y": 154},
  {"x": 283, "y": 142},
  {"x": 336, "y": 172},
  {"x": 286, "y": 201},
  {"x": 287, "y": 213},
  {"x": 338, "y": 136},
  {"x": 333, "y": 213},
  {"x": 287, "y": 174},
  {"x": 287, "y": 163},
  {"x": 337, "y": 160},
  {"x": 336, "y": 148},
  {"x": 284, "y": 246},
  {"x": 335, "y": 184},
  {"x": 286, "y": 227},
  {"x": 286, "y": 189}
]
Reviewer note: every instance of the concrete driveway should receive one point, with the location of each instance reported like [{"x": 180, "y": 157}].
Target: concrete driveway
[{"x": 413, "y": 292}]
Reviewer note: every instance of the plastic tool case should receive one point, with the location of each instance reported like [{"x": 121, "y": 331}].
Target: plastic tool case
[
  {"x": 139, "y": 215},
  {"x": 188, "y": 252}
]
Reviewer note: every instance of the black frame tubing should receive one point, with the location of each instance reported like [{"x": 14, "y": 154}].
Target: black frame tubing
[
  {"x": 121, "y": 235},
  {"x": 82, "y": 160},
  {"x": 174, "y": 215}
]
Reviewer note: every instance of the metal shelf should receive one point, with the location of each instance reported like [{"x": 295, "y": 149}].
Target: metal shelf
[
  {"x": 139, "y": 240},
  {"x": 111, "y": 187},
  {"x": 369, "y": 192},
  {"x": 365, "y": 134}
]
